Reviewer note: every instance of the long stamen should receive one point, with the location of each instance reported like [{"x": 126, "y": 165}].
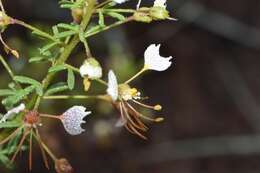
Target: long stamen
[
  {"x": 11, "y": 135},
  {"x": 38, "y": 138},
  {"x": 130, "y": 119},
  {"x": 123, "y": 118},
  {"x": 136, "y": 118},
  {"x": 20, "y": 145},
  {"x": 136, "y": 132},
  {"x": 156, "y": 107},
  {"x": 30, "y": 151},
  {"x": 159, "y": 119}
]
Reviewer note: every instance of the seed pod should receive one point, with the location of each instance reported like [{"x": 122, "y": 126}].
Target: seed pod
[{"x": 63, "y": 166}]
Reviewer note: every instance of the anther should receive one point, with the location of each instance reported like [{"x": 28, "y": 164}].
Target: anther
[
  {"x": 158, "y": 120},
  {"x": 157, "y": 107}
]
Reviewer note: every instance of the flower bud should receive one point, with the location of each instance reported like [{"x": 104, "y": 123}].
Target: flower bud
[
  {"x": 91, "y": 69},
  {"x": 63, "y": 166},
  {"x": 159, "y": 13},
  {"x": 77, "y": 14},
  {"x": 142, "y": 16}
]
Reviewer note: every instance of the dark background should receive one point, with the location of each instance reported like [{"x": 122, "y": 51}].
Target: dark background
[{"x": 210, "y": 95}]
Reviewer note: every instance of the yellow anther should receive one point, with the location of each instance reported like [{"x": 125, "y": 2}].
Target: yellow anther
[
  {"x": 160, "y": 119},
  {"x": 157, "y": 107},
  {"x": 133, "y": 91}
]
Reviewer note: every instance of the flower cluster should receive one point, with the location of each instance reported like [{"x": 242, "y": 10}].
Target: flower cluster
[{"x": 23, "y": 97}]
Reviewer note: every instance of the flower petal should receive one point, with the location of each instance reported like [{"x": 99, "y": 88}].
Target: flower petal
[
  {"x": 153, "y": 59},
  {"x": 91, "y": 71},
  {"x": 112, "y": 89},
  {"x": 13, "y": 111},
  {"x": 160, "y": 3},
  {"x": 120, "y": 1},
  {"x": 73, "y": 118}
]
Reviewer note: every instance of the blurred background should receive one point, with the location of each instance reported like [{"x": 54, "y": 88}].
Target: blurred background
[{"x": 210, "y": 96}]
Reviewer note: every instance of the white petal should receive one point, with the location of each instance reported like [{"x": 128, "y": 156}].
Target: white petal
[
  {"x": 160, "y": 3},
  {"x": 112, "y": 89},
  {"x": 120, "y": 1},
  {"x": 138, "y": 4},
  {"x": 93, "y": 72},
  {"x": 73, "y": 118},
  {"x": 153, "y": 60},
  {"x": 13, "y": 111}
]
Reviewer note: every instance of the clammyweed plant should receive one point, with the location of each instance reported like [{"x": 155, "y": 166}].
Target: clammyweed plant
[{"x": 20, "y": 125}]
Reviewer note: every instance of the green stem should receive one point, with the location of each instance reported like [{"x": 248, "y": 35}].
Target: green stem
[
  {"x": 136, "y": 75},
  {"x": 9, "y": 71},
  {"x": 103, "y": 3},
  {"x": 42, "y": 33},
  {"x": 67, "y": 49},
  {"x": 75, "y": 69},
  {"x": 118, "y": 10},
  {"x": 7, "y": 67},
  {"x": 109, "y": 27}
]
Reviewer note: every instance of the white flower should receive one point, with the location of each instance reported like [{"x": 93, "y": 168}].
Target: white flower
[
  {"x": 160, "y": 3},
  {"x": 153, "y": 60},
  {"x": 12, "y": 112},
  {"x": 120, "y": 1},
  {"x": 112, "y": 89},
  {"x": 73, "y": 118},
  {"x": 91, "y": 69}
]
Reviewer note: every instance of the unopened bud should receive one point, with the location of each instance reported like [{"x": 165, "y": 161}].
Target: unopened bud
[
  {"x": 63, "y": 166},
  {"x": 77, "y": 14},
  {"x": 159, "y": 13},
  {"x": 91, "y": 69},
  {"x": 142, "y": 15}
]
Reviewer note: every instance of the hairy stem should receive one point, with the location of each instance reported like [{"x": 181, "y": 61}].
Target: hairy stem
[
  {"x": 42, "y": 33},
  {"x": 67, "y": 49},
  {"x": 110, "y": 26}
]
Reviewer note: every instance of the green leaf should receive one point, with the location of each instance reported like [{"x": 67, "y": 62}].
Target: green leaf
[
  {"x": 5, "y": 161},
  {"x": 47, "y": 47},
  {"x": 101, "y": 20},
  {"x": 36, "y": 59},
  {"x": 92, "y": 29},
  {"x": 71, "y": 79},
  {"x": 55, "y": 30},
  {"x": 14, "y": 142},
  {"x": 69, "y": 26},
  {"x": 56, "y": 88},
  {"x": 57, "y": 68},
  {"x": 118, "y": 16},
  {"x": 18, "y": 96},
  {"x": 65, "y": 34},
  {"x": 27, "y": 80},
  {"x": 6, "y": 92},
  {"x": 10, "y": 124}
]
